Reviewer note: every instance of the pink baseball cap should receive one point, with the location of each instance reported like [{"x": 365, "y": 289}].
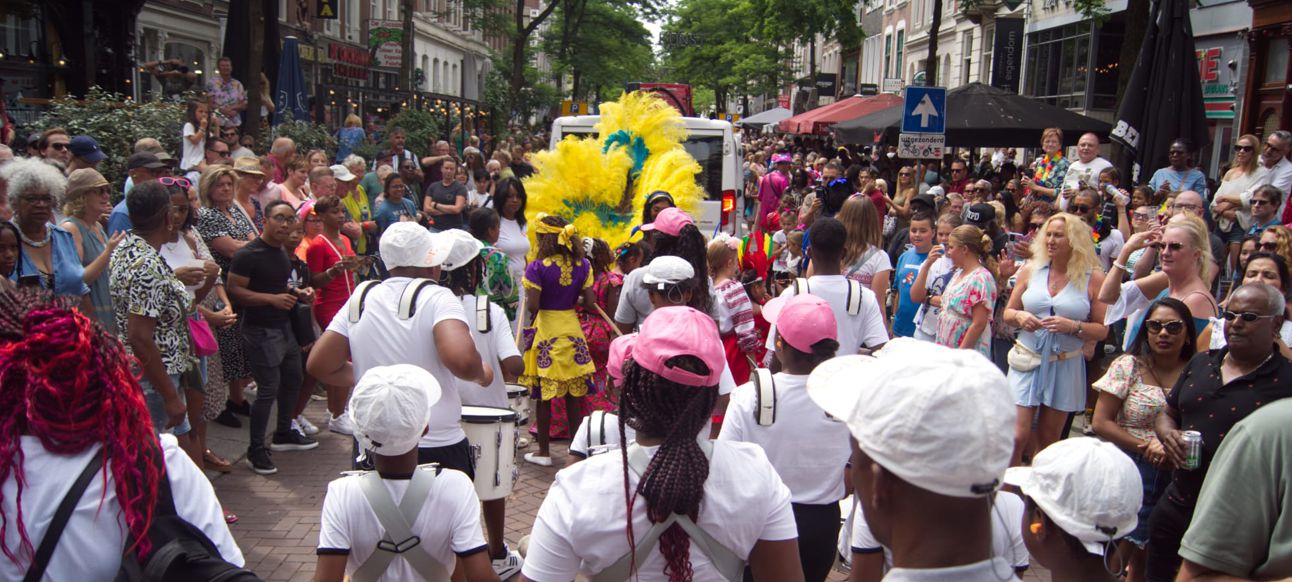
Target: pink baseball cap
[
  {"x": 802, "y": 320},
  {"x": 669, "y": 221},
  {"x": 669, "y": 332},
  {"x": 620, "y": 349},
  {"x": 305, "y": 210}
]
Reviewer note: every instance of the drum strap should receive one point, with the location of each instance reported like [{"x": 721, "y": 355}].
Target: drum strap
[
  {"x": 596, "y": 429},
  {"x": 483, "y": 324},
  {"x": 397, "y": 521},
  {"x": 408, "y": 300},
  {"x": 361, "y": 295},
  {"x": 730, "y": 565},
  {"x": 764, "y": 397}
]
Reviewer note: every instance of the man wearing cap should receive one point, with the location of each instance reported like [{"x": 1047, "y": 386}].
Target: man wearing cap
[
  {"x": 85, "y": 153},
  {"x": 390, "y": 409},
  {"x": 142, "y": 167},
  {"x": 805, "y": 337},
  {"x": 359, "y": 217},
  {"x": 983, "y": 216},
  {"x": 1215, "y": 391},
  {"x": 933, "y": 431}
]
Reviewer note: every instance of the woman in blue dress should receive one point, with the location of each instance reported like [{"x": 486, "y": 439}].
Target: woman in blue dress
[{"x": 1055, "y": 308}]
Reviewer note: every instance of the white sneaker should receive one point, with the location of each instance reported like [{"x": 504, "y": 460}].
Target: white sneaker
[
  {"x": 306, "y": 426},
  {"x": 537, "y": 460},
  {"x": 509, "y": 565},
  {"x": 340, "y": 424}
]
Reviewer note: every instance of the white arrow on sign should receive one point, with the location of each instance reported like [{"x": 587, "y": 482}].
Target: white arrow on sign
[{"x": 925, "y": 110}]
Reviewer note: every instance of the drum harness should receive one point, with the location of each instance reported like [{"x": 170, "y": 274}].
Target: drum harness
[
  {"x": 397, "y": 521},
  {"x": 408, "y": 303}
]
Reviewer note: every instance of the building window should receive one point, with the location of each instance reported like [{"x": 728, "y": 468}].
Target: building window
[
  {"x": 1276, "y": 61},
  {"x": 352, "y": 20},
  {"x": 988, "y": 43},
  {"x": 435, "y": 75},
  {"x": 1057, "y": 65},
  {"x": 966, "y": 53},
  {"x": 888, "y": 55},
  {"x": 898, "y": 47}
]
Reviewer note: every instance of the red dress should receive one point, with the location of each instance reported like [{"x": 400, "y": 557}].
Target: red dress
[{"x": 321, "y": 255}]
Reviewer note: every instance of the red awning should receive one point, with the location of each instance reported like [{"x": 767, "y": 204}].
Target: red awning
[{"x": 819, "y": 120}]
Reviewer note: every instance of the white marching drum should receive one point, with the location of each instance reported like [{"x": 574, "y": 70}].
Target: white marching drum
[
  {"x": 518, "y": 399},
  {"x": 492, "y": 435}
]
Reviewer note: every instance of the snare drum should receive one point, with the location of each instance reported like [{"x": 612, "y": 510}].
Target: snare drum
[
  {"x": 492, "y": 435},
  {"x": 518, "y": 399}
]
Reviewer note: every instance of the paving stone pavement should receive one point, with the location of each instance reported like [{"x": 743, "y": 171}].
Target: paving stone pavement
[{"x": 278, "y": 524}]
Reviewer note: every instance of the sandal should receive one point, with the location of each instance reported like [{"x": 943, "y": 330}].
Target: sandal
[
  {"x": 215, "y": 463},
  {"x": 229, "y": 517}
]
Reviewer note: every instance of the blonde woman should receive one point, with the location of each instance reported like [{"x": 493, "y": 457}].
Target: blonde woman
[
  {"x": 905, "y": 190},
  {"x": 1233, "y": 210},
  {"x": 1054, "y": 306},
  {"x": 349, "y": 136},
  {"x": 88, "y": 198},
  {"x": 970, "y": 298},
  {"x": 864, "y": 259},
  {"x": 1184, "y": 251}
]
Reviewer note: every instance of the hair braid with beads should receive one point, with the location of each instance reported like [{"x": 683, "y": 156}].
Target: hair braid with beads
[
  {"x": 69, "y": 384},
  {"x": 673, "y": 482}
]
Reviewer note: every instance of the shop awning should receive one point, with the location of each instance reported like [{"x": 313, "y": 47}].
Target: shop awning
[{"x": 819, "y": 120}]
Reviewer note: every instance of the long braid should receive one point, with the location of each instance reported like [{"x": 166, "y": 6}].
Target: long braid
[
  {"x": 69, "y": 384},
  {"x": 673, "y": 482}
]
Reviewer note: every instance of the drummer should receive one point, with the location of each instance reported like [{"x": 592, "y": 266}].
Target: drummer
[
  {"x": 492, "y": 334},
  {"x": 381, "y": 337}
]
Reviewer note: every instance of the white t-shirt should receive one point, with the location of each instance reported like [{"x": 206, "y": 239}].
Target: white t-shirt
[
  {"x": 1006, "y": 533},
  {"x": 779, "y": 265},
  {"x": 448, "y": 525},
  {"x": 477, "y": 199},
  {"x": 513, "y": 242},
  {"x": 873, "y": 262},
  {"x": 807, "y": 448},
  {"x": 927, "y": 319},
  {"x": 91, "y": 545},
  {"x": 494, "y": 347},
  {"x": 634, "y": 300},
  {"x": 1081, "y": 174},
  {"x": 193, "y": 153},
  {"x": 1110, "y": 248},
  {"x": 381, "y": 338},
  {"x": 580, "y": 528},
  {"x": 864, "y": 330}
]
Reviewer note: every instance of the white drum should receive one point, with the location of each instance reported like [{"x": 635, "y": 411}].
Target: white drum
[
  {"x": 492, "y": 435},
  {"x": 518, "y": 397}
]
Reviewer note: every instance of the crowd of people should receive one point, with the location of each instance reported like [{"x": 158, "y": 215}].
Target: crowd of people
[{"x": 876, "y": 344}]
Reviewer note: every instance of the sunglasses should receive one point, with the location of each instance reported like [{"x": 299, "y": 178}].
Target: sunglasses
[
  {"x": 1173, "y": 327},
  {"x": 58, "y": 146},
  {"x": 907, "y": 174},
  {"x": 169, "y": 181},
  {"x": 1142, "y": 217},
  {"x": 1243, "y": 148},
  {"x": 1259, "y": 202},
  {"x": 1174, "y": 247},
  {"x": 1245, "y": 316},
  {"x": 957, "y": 170},
  {"x": 1268, "y": 246},
  {"x": 977, "y": 190},
  {"x": 1081, "y": 208}
]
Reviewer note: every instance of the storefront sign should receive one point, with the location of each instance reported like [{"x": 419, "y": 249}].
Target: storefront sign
[
  {"x": 386, "y": 43},
  {"x": 783, "y": 101},
  {"x": 1007, "y": 54},
  {"x": 325, "y": 9},
  {"x": 349, "y": 62},
  {"x": 1217, "y": 87}
]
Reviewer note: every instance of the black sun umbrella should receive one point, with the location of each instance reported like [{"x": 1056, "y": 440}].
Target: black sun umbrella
[
  {"x": 1164, "y": 98},
  {"x": 979, "y": 115}
]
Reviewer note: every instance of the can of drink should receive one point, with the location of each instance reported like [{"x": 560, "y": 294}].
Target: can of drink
[{"x": 1192, "y": 449}]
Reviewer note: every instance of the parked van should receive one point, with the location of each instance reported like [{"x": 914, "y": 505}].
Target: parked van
[{"x": 713, "y": 145}]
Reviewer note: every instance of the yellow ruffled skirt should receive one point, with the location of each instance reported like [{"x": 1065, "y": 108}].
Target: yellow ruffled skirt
[{"x": 558, "y": 362}]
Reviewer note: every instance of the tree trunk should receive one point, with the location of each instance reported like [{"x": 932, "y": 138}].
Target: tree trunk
[
  {"x": 256, "y": 55},
  {"x": 519, "y": 43},
  {"x": 931, "y": 65},
  {"x": 576, "y": 76}
]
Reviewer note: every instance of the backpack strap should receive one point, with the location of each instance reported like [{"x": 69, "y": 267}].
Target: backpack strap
[
  {"x": 764, "y": 397},
  {"x": 399, "y": 538},
  {"x": 801, "y": 286},
  {"x": 64, "y": 512},
  {"x": 596, "y": 429},
  {"x": 361, "y": 295},
  {"x": 855, "y": 295},
  {"x": 408, "y": 300},
  {"x": 483, "y": 323}
]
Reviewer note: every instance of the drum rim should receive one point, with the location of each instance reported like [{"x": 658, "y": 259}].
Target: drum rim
[{"x": 496, "y": 415}]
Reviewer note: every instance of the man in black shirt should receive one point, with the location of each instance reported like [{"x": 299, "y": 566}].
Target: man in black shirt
[
  {"x": 258, "y": 279},
  {"x": 1216, "y": 390},
  {"x": 446, "y": 199}
]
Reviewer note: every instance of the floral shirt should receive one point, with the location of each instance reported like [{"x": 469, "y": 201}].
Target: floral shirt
[
  {"x": 142, "y": 284},
  {"x": 223, "y": 94},
  {"x": 958, "y": 300},
  {"x": 1140, "y": 402},
  {"x": 497, "y": 281}
]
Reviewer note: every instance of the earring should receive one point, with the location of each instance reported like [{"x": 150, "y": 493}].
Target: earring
[{"x": 1035, "y": 528}]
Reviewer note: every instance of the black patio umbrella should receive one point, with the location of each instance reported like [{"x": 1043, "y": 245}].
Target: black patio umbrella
[
  {"x": 979, "y": 115},
  {"x": 1164, "y": 98}
]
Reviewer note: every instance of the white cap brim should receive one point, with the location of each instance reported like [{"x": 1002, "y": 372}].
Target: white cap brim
[{"x": 833, "y": 384}]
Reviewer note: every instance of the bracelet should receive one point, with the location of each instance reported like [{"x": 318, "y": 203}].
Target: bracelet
[
  {"x": 1121, "y": 266},
  {"x": 1078, "y": 332}
]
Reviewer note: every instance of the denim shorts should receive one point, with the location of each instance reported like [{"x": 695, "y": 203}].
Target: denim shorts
[
  {"x": 1154, "y": 481},
  {"x": 157, "y": 409}
]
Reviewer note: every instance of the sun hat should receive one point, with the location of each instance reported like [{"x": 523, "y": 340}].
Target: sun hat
[
  {"x": 620, "y": 349},
  {"x": 980, "y": 215},
  {"x": 82, "y": 180},
  {"x": 342, "y": 173},
  {"x": 144, "y": 160},
  {"x": 669, "y": 332},
  {"x": 248, "y": 165},
  {"x": 391, "y": 408},
  {"x": 1088, "y": 487},
  {"x": 84, "y": 146},
  {"x": 462, "y": 248},
  {"x": 667, "y": 270},
  {"x": 802, "y": 320},
  {"x": 941, "y": 419},
  {"x": 669, "y": 221},
  {"x": 407, "y": 244}
]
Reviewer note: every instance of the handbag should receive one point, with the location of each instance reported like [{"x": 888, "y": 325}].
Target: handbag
[
  {"x": 204, "y": 343},
  {"x": 302, "y": 319}
]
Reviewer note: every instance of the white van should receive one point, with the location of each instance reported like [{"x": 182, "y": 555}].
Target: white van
[{"x": 713, "y": 145}]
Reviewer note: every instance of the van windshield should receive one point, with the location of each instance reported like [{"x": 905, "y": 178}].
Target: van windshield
[{"x": 707, "y": 151}]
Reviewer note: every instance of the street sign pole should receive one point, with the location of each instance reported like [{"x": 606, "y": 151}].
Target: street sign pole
[{"x": 924, "y": 123}]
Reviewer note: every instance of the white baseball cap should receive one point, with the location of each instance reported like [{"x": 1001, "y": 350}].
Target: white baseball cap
[
  {"x": 407, "y": 244},
  {"x": 391, "y": 408},
  {"x": 939, "y": 418},
  {"x": 342, "y": 173},
  {"x": 1089, "y": 488},
  {"x": 667, "y": 270},
  {"x": 463, "y": 248}
]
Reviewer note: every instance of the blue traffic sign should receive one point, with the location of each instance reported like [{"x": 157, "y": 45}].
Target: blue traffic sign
[{"x": 925, "y": 110}]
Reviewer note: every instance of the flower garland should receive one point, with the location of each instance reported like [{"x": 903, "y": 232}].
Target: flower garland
[{"x": 1045, "y": 168}]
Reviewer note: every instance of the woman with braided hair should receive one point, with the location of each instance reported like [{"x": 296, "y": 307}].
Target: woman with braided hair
[
  {"x": 601, "y": 512},
  {"x": 67, "y": 394}
]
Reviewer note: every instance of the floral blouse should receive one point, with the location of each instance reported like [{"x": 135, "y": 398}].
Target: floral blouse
[
  {"x": 497, "y": 281},
  {"x": 142, "y": 284},
  {"x": 958, "y": 300},
  {"x": 1140, "y": 402}
]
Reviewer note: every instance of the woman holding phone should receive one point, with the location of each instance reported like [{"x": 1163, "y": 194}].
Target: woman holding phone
[{"x": 332, "y": 265}]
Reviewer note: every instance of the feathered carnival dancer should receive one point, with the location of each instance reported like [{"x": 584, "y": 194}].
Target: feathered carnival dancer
[{"x": 600, "y": 184}]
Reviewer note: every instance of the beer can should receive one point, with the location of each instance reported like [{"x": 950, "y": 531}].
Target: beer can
[{"x": 1192, "y": 449}]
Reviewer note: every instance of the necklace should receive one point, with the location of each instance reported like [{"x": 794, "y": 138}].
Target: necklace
[{"x": 35, "y": 243}]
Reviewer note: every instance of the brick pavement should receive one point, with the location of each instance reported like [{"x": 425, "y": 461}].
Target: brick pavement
[{"x": 278, "y": 514}]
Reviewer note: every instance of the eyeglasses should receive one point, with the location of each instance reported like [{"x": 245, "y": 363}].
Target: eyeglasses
[
  {"x": 38, "y": 199},
  {"x": 1173, "y": 327},
  {"x": 58, "y": 146},
  {"x": 169, "y": 181},
  {"x": 1268, "y": 246},
  {"x": 1246, "y": 316},
  {"x": 1243, "y": 148},
  {"x": 285, "y": 218},
  {"x": 1174, "y": 247},
  {"x": 1142, "y": 217},
  {"x": 1189, "y": 207}
]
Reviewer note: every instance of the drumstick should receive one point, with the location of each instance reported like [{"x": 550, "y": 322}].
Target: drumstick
[
  {"x": 613, "y": 327},
  {"x": 520, "y": 314}
]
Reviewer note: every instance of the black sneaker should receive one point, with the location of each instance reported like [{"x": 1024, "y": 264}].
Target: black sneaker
[
  {"x": 243, "y": 409},
  {"x": 228, "y": 418},
  {"x": 292, "y": 441},
  {"x": 258, "y": 460}
]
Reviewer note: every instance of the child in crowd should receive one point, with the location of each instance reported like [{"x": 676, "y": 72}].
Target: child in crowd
[
  {"x": 794, "y": 242},
  {"x": 935, "y": 273},
  {"x": 908, "y": 267},
  {"x": 10, "y": 249},
  {"x": 781, "y": 244},
  {"x": 735, "y": 311}
]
